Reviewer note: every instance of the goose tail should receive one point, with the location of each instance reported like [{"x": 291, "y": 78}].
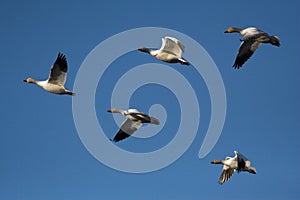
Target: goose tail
[
  {"x": 70, "y": 93},
  {"x": 184, "y": 62},
  {"x": 153, "y": 120}
]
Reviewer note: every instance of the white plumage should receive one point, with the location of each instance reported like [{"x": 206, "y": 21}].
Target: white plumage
[{"x": 170, "y": 51}]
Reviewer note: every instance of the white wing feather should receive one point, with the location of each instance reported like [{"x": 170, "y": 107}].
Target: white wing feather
[
  {"x": 172, "y": 45},
  {"x": 129, "y": 127}
]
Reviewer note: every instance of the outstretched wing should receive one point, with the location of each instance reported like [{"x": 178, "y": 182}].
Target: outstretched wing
[
  {"x": 246, "y": 50},
  {"x": 59, "y": 70},
  {"x": 172, "y": 45},
  {"x": 242, "y": 161},
  {"x": 127, "y": 129},
  {"x": 226, "y": 174}
]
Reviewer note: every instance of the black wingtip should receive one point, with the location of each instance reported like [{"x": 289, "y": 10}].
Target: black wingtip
[
  {"x": 236, "y": 66},
  {"x": 61, "y": 60},
  {"x": 115, "y": 140},
  {"x": 61, "y": 56},
  {"x": 186, "y": 63}
]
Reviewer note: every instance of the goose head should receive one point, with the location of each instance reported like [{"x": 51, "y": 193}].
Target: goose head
[
  {"x": 111, "y": 110},
  {"x": 114, "y": 110},
  {"x": 232, "y": 30},
  {"x": 29, "y": 80},
  {"x": 216, "y": 162},
  {"x": 144, "y": 49}
]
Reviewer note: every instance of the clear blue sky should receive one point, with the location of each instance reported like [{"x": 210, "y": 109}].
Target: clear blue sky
[{"x": 42, "y": 156}]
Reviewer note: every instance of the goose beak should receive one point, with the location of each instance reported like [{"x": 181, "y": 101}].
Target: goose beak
[
  {"x": 226, "y": 31},
  {"x": 25, "y": 80},
  {"x": 109, "y": 111}
]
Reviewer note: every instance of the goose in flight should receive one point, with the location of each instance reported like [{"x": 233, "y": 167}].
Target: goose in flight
[
  {"x": 170, "y": 51},
  {"x": 134, "y": 120},
  {"x": 57, "y": 78},
  {"x": 252, "y": 39},
  {"x": 238, "y": 162}
]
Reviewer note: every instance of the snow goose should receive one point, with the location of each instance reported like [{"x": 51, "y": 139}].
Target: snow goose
[
  {"x": 57, "y": 78},
  {"x": 170, "y": 51},
  {"x": 238, "y": 162},
  {"x": 252, "y": 39},
  {"x": 134, "y": 120}
]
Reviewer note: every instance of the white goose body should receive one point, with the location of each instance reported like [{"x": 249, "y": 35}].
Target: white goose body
[
  {"x": 230, "y": 162},
  {"x": 53, "y": 88},
  {"x": 250, "y": 32}
]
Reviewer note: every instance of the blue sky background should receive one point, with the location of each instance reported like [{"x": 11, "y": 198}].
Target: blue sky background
[{"x": 41, "y": 154}]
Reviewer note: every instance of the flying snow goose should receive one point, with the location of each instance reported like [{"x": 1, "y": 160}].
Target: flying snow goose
[
  {"x": 57, "y": 78},
  {"x": 134, "y": 120},
  {"x": 252, "y": 39},
  {"x": 238, "y": 162},
  {"x": 170, "y": 51}
]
